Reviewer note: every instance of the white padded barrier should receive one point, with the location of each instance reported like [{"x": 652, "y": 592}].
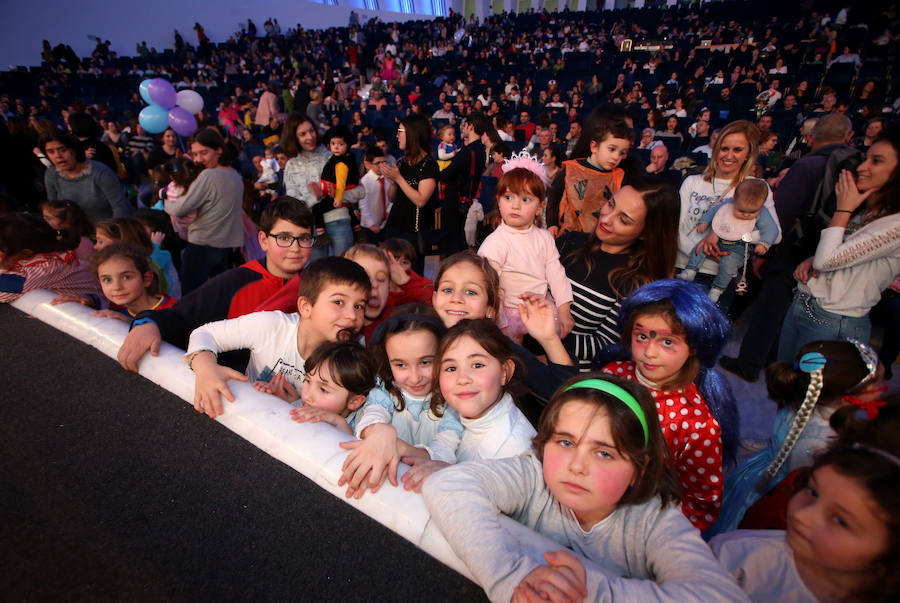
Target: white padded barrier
[{"x": 310, "y": 448}]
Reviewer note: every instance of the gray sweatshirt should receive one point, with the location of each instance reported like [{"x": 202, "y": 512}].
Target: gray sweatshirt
[
  {"x": 638, "y": 553},
  {"x": 96, "y": 190},
  {"x": 216, "y": 196}
]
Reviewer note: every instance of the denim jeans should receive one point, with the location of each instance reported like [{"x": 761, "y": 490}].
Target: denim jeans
[
  {"x": 729, "y": 265},
  {"x": 806, "y": 321},
  {"x": 341, "y": 234}
]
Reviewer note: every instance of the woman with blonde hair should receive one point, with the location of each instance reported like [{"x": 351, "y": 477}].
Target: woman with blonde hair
[{"x": 733, "y": 158}]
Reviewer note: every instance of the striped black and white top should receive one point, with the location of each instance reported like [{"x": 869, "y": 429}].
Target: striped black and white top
[{"x": 595, "y": 306}]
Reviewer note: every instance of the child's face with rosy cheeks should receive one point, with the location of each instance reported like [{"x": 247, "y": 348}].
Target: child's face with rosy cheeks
[
  {"x": 461, "y": 293},
  {"x": 609, "y": 152},
  {"x": 518, "y": 210},
  {"x": 834, "y": 526},
  {"x": 411, "y": 356},
  {"x": 582, "y": 465},
  {"x": 321, "y": 390},
  {"x": 121, "y": 281},
  {"x": 285, "y": 262},
  {"x": 657, "y": 350},
  {"x": 339, "y": 307},
  {"x": 380, "y": 276},
  {"x": 471, "y": 379},
  {"x": 338, "y": 146}
]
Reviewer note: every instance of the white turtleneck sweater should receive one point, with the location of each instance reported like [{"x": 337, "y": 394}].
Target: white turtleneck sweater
[{"x": 503, "y": 431}]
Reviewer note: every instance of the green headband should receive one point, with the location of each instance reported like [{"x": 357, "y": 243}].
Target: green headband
[{"x": 618, "y": 393}]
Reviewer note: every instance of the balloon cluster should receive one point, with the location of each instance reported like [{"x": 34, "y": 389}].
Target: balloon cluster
[{"x": 167, "y": 108}]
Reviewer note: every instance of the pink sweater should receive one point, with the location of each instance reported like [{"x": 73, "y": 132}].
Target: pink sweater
[
  {"x": 267, "y": 108},
  {"x": 528, "y": 262}
]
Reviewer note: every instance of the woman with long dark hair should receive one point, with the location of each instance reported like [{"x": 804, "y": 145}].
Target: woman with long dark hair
[
  {"x": 416, "y": 178},
  {"x": 857, "y": 258},
  {"x": 634, "y": 243},
  {"x": 302, "y": 180},
  {"x": 90, "y": 184}
]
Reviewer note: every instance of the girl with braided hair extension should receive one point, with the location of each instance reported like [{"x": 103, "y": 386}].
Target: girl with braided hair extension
[
  {"x": 825, "y": 376},
  {"x": 842, "y": 541}
]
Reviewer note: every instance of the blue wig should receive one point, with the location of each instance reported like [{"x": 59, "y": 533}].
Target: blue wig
[{"x": 707, "y": 331}]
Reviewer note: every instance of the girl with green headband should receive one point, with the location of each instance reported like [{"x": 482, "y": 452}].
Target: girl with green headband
[{"x": 598, "y": 482}]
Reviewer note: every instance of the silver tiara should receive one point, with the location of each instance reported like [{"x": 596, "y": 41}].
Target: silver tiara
[{"x": 869, "y": 357}]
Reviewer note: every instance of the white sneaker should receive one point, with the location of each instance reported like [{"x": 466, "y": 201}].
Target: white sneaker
[
  {"x": 715, "y": 294},
  {"x": 686, "y": 275}
]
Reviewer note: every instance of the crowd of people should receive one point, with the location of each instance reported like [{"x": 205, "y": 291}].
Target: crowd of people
[{"x": 602, "y": 193}]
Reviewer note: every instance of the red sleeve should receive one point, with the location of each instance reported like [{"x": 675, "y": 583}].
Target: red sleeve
[
  {"x": 770, "y": 511},
  {"x": 418, "y": 289},
  {"x": 167, "y": 302},
  {"x": 283, "y": 300}
]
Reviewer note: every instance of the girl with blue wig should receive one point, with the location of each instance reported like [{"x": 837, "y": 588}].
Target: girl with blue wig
[{"x": 672, "y": 336}]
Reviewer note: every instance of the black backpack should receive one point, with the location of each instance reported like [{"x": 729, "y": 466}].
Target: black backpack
[{"x": 818, "y": 215}]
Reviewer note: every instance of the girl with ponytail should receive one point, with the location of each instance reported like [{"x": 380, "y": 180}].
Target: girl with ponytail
[{"x": 824, "y": 376}]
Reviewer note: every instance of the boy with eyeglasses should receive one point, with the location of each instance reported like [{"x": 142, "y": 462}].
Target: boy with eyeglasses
[{"x": 285, "y": 234}]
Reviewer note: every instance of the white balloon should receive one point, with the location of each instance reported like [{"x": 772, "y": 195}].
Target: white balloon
[{"x": 190, "y": 101}]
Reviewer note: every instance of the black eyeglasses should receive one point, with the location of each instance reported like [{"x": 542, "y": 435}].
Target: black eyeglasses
[{"x": 283, "y": 239}]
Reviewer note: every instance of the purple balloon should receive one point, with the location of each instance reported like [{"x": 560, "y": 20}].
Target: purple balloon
[
  {"x": 162, "y": 93},
  {"x": 182, "y": 121}
]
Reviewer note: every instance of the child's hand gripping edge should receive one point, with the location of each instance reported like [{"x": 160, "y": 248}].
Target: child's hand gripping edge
[{"x": 372, "y": 460}]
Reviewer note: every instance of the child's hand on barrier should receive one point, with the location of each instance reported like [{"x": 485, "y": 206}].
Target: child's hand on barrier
[
  {"x": 140, "y": 340},
  {"x": 112, "y": 314},
  {"x": 312, "y": 414},
  {"x": 63, "y": 298},
  {"x": 419, "y": 469},
  {"x": 372, "y": 460},
  {"x": 211, "y": 384},
  {"x": 278, "y": 386},
  {"x": 562, "y": 579}
]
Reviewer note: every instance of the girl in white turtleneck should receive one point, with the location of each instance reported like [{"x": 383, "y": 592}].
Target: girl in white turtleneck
[{"x": 475, "y": 365}]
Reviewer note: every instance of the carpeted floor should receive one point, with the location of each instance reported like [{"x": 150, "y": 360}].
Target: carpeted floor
[{"x": 114, "y": 489}]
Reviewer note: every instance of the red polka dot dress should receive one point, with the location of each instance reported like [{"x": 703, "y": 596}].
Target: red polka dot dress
[{"x": 695, "y": 443}]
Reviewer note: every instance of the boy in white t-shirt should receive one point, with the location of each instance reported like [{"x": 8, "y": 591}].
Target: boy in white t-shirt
[{"x": 331, "y": 303}]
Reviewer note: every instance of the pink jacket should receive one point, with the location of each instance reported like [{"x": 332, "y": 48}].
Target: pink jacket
[{"x": 267, "y": 108}]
